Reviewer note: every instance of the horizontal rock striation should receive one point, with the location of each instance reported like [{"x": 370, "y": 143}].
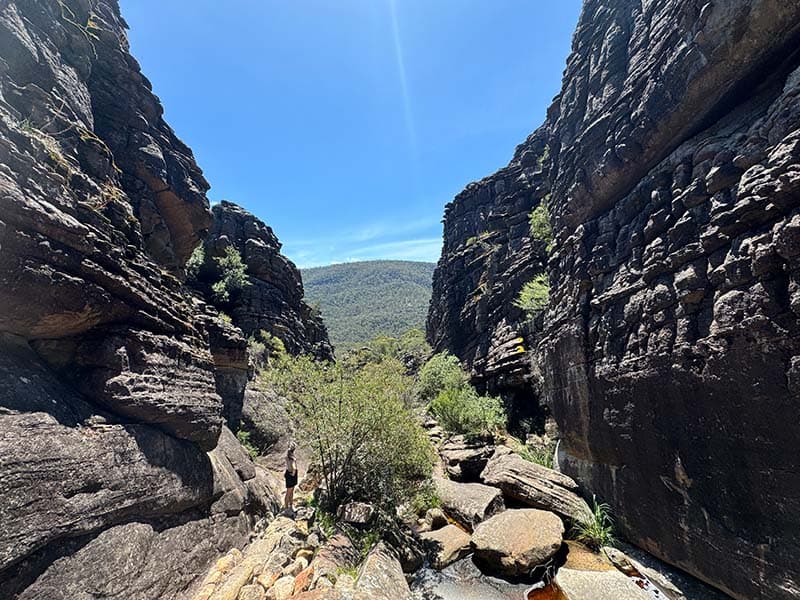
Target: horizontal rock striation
[
  {"x": 670, "y": 354},
  {"x": 118, "y": 476},
  {"x": 273, "y": 300},
  {"x": 487, "y": 258}
]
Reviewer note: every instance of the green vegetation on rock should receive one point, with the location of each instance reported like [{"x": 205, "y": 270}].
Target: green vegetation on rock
[
  {"x": 362, "y": 300},
  {"x": 597, "y": 531},
  {"x": 534, "y": 295},
  {"x": 541, "y": 229},
  {"x": 234, "y": 275}
]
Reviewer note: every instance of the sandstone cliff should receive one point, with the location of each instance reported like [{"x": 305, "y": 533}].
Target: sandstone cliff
[
  {"x": 670, "y": 354},
  {"x": 118, "y": 475},
  {"x": 272, "y": 300}
]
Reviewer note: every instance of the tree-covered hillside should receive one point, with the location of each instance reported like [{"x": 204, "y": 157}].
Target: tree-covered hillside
[{"x": 362, "y": 300}]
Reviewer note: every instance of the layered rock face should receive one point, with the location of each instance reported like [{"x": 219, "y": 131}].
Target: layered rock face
[
  {"x": 671, "y": 352},
  {"x": 488, "y": 256},
  {"x": 118, "y": 477},
  {"x": 273, "y": 300}
]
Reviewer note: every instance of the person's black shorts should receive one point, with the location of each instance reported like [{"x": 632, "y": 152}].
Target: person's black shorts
[{"x": 291, "y": 479}]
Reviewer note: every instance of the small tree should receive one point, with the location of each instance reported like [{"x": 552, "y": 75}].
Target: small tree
[
  {"x": 534, "y": 296},
  {"x": 368, "y": 444},
  {"x": 541, "y": 229},
  {"x": 195, "y": 262},
  {"x": 234, "y": 274},
  {"x": 441, "y": 372}
]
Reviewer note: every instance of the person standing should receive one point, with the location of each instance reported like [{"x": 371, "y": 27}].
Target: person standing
[{"x": 291, "y": 478}]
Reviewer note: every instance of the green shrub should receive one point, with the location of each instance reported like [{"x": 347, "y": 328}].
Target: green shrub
[
  {"x": 354, "y": 418},
  {"x": 541, "y": 455},
  {"x": 244, "y": 439},
  {"x": 264, "y": 348},
  {"x": 597, "y": 531},
  {"x": 442, "y": 372},
  {"x": 425, "y": 498},
  {"x": 195, "y": 262},
  {"x": 535, "y": 295},
  {"x": 462, "y": 410},
  {"x": 234, "y": 275},
  {"x": 541, "y": 230}
]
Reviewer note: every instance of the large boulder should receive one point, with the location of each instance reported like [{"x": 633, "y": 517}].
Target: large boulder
[
  {"x": 451, "y": 543},
  {"x": 517, "y": 541},
  {"x": 381, "y": 577},
  {"x": 536, "y": 486},
  {"x": 468, "y": 503},
  {"x": 576, "y": 584}
]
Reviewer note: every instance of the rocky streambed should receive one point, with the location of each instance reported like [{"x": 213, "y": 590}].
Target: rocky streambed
[{"x": 502, "y": 537}]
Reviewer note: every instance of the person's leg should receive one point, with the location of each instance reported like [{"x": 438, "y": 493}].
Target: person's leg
[
  {"x": 287, "y": 498},
  {"x": 290, "y": 498}
]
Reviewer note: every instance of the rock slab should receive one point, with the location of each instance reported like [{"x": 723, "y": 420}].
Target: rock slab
[{"x": 516, "y": 541}]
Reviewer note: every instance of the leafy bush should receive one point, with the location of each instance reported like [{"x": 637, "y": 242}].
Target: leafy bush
[
  {"x": 244, "y": 439},
  {"x": 535, "y": 295},
  {"x": 264, "y": 348},
  {"x": 195, "y": 262},
  {"x": 442, "y": 372},
  {"x": 425, "y": 498},
  {"x": 411, "y": 349},
  {"x": 369, "y": 445},
  {"x": 462, "y": 410},
  {"x": 597, "y": 531},
  {"x": 234, "y": 275},
  {"x": 541, "y": 230},
  {"x": 541, "y": 455}
]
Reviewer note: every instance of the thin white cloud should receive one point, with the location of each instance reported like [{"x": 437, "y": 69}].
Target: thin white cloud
[{"x": 422, "y": 249}]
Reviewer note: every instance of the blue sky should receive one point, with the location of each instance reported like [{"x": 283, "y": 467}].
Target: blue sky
[{"x": 347, "y": 125}]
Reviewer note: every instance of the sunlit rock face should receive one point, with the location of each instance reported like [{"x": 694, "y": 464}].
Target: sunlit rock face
[
  {"x": 671, "y": 346},
  {"x": 115, "y": 380},
  {"x": 272, "y": 301}
]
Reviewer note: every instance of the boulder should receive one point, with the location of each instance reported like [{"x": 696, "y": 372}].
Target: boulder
[
  {"x": 536, "y": 486},
  {"x": 252, "y": 592},
  {"x": 435, "y": 519},
  {"x": 468, "y": 503},
  {"x": 381, "y": 577},
  {"x": 356, "y": 513},
  {"x": 516, "y": 541},
  {"x": 464, "y": 458},
  {"x": 452, "y": 543},
  {"x": 577, "y": 584},
  {"x": 282, "y": 589}
]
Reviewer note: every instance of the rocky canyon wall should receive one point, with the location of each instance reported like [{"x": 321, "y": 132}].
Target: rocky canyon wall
[
  {"x": 272, "y": 300},
  {"x": 671, "y": 344},
  {"x": 119, "y": 476},
  {"x": 488, "y": 255}
]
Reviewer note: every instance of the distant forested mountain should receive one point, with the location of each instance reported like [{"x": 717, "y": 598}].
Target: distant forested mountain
[{"x": 361, "y": 300}]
